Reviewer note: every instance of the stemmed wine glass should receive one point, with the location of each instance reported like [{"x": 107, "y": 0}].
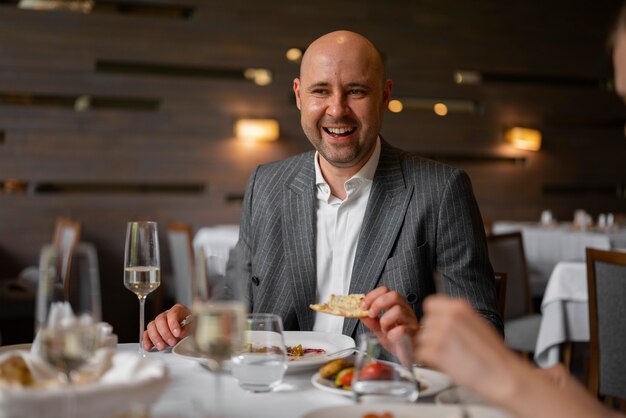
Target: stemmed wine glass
[
  {"x": 218, "y": 314},
  {"x": 67, "y": 346},
  {"x": 142, "y": 272}
]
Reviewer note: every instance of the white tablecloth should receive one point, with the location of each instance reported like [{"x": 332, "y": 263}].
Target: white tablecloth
[
  {"x": 565, "y": 312},
  {"x": 546, "y": 246}
]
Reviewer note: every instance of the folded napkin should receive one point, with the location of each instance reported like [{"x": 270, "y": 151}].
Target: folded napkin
[{"x": 111, "y": 385}]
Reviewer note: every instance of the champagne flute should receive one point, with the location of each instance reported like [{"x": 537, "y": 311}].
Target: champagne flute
[
  {"x": 218, "y": 315},
  {"x": 142, "y": 272}
]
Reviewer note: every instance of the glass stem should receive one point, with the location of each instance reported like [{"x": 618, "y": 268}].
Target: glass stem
[
  {"x": 217, "y": 403},
  {"x": 142, "y": 305}
]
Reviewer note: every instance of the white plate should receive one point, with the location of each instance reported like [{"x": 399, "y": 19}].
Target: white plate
[
  {"x": 405, "y": 411},
  {"x": 309, "y": 339},
  {"x": 435, "y": 382}
]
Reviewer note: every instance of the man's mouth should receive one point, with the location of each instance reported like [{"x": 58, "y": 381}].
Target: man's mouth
[{"x": 340, "y": 131}]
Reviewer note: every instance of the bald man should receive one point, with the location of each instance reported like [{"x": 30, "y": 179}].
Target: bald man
[{"x": 355, "y": 216}]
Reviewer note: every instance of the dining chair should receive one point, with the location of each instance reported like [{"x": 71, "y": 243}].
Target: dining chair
[
  {"x": 521, "y": 324},
  {"x": 500, "y": 282},
  {"x": 181, "y": 254},
  {"x": 606, "y": 283}
]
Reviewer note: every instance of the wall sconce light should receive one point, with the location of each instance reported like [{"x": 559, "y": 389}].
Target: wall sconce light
[
  {"x": 294, "y": 54},
  {"x": 440, "y": 107},
  {"x": 257, "y": 130},
  {"x": 523, "y": 138},
  {"x": 260, "y": 76}
]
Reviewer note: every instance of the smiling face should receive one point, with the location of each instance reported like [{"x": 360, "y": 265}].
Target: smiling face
[{"x": 342, "y": 95}]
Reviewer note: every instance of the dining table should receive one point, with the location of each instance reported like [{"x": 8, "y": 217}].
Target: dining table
[
  {"x": 547, "y": 245},
  {"x": 564, "y": 312},
  {"x": 191, "y": 392}
]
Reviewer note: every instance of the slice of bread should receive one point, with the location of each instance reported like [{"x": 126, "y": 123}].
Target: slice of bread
[{"x": 343, "y": 305}]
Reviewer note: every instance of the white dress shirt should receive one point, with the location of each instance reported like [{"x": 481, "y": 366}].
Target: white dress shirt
[{"x": 338, "y": 229}]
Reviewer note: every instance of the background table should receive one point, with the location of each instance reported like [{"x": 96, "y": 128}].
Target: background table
[
  {"x": 565, "y": 312},
  {"x": 546, "y": 246}
]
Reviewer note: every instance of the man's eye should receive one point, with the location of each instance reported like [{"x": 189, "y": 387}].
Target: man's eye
[
  {"x": 319, "y": 91},
  {"x": 356, "y": 92}
]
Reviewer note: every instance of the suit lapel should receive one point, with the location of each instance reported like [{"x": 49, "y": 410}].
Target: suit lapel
[
  {"x": 385, "y": 213},
  {"x": 299, "y": 237}
]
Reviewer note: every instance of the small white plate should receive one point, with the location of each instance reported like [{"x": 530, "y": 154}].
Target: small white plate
[
  {"x": 433, "y": 380},
  {"x": 406, "y": 411},
  {"x": 329, "y": 342}
]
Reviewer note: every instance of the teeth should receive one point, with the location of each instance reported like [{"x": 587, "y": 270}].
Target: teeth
[{"x": 339, "y": 131}]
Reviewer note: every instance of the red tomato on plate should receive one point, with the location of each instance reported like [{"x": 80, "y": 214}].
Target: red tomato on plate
[{"x": 376, "y": 371}]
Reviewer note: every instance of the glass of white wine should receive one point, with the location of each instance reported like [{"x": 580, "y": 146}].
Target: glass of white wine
[
  {"x": 142, "y": 272},
  {"x": 218, "y": 315}
]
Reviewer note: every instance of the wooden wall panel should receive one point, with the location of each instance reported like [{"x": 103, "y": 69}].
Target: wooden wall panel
[{"x": 189, "y": 137}]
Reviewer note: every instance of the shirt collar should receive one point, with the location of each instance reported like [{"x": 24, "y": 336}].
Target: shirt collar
[{"x": 366, "y": 172}]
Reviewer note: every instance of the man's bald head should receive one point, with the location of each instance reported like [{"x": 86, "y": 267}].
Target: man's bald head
[
  {"x": 344, "y": 42},
  {"x": 342, "y": 95}
]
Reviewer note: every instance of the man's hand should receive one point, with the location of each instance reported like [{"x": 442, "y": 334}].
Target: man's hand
[
  {"x": 397, "y": 321},
  {"x": 165, "y": 331}
]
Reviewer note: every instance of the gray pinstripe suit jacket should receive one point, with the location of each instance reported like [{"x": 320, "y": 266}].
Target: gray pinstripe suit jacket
[{"x": 421, "y": 216}]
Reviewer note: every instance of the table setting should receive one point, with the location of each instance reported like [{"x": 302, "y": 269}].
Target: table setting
[{"x": 230, "y": 364}]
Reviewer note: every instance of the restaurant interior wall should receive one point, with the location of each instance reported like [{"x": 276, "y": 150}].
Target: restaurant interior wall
[{"x": 127, "y": 113}]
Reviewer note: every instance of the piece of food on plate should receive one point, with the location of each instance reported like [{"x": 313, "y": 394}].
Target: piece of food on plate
[
  {"x": 376, "y": 370},
  {"x": 15, "y": 372},
  {"x": 297, "y": 352},
  {"x": 344, "y": 378},
  {"x": 330, "y": 369},
  {"x": 348, "y": 306},
  {"x": 383, "y": 415}
]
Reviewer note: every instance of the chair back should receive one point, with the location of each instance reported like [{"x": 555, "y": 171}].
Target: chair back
[
  {"x": 606, "y": 281},
  {"x": 506, "y": 252},
  {"x": 181, "y": 254},
  {"x": 500, "y": 283}
]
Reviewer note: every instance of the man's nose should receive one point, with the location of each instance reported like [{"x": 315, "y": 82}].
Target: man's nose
[{"x": 338, "y": 105}]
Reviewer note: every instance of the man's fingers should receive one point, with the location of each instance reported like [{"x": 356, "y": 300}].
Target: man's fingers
[
  {"x": 372, "y": 296},
  {"x": 385, "y": 301},
  {"x": 373, "y": 324},
  {"x": 155, "y": 337},
  {"x": 147, "y": 344}
]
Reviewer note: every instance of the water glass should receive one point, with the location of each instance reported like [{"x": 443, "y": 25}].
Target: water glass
[
  {"x": 376, "y": 380},
  {"x": 261, "y": 365}
]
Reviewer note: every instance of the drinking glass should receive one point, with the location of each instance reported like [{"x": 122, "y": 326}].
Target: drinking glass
[
  {"x": 260, "y": 366},
  {"x": 218, "y": 314},
  {"x": 142, "y": 272},
  {"x": 68, "y": 346},
  {"x": 375, "y": 380}
]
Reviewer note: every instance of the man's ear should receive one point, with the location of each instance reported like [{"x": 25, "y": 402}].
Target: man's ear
[
  {"x": 296, "y": 90},
  {"x": 387, "y": 88}
]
